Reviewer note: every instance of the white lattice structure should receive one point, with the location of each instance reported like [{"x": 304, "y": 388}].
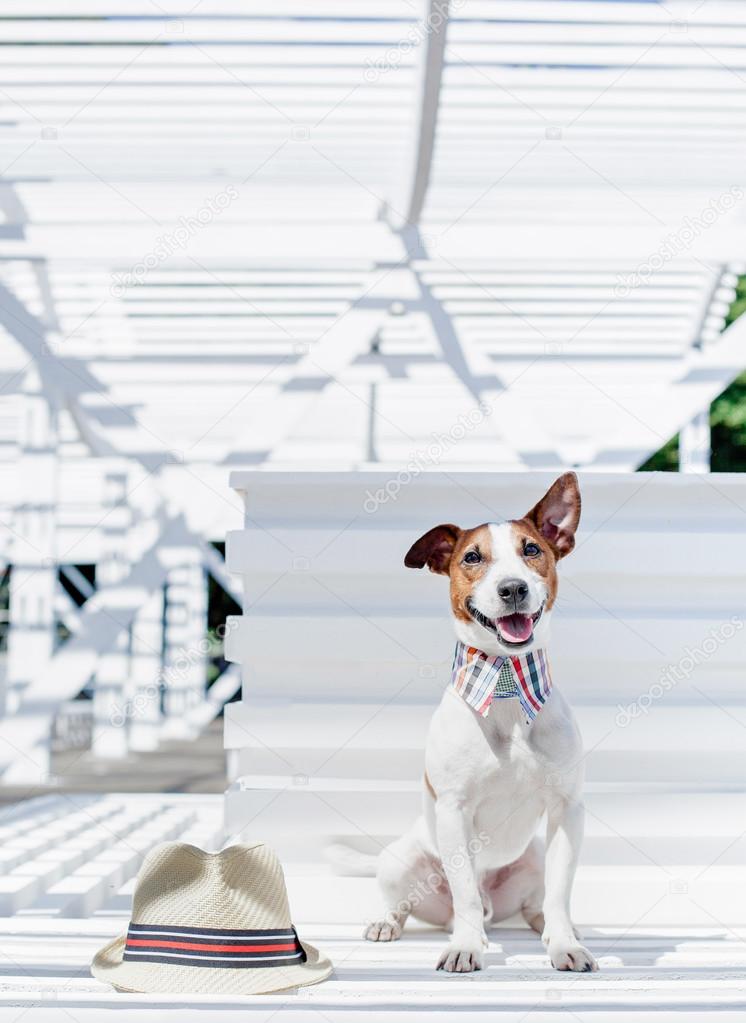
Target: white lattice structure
[{"x": 233, "y": 237}]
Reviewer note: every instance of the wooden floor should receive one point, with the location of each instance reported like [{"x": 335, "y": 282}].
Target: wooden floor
[
  {"x": 68, "y": 867},
  {"x": 694, "y": 973},
  {"x": 196, "y": 765}
]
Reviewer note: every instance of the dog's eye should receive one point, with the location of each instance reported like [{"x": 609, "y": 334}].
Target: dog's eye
[
  {"x": 531, "y": 550},
  {"x": 472, "y": 558}
]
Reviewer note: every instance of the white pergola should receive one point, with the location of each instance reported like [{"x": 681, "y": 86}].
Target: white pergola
[
  {"x": 422, "y": 241},
  {"x": 470, "y": 234}
]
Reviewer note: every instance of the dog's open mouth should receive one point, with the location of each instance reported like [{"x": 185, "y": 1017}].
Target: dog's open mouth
[{"x": 512, "y": 630}]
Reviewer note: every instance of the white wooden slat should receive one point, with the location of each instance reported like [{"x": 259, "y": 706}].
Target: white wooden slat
[
  {"x": 180, "y": 77},
  {"x": 617, "y": 56},
  {"x": 339, "y": 740},
  {"x": 625, "y": 648},
  {"x": 333, "y": 727},
  {"x": 556, "y": 34},
  {"x": 638, "y": 124},
  {"x": 264, "y": 126},
  {"x": 371, "y": 241},
  {"x": 363, "y": 812},
  {"x": 374, "y": 807},
  {"x": 84, "y": 278},
  {"x": 184, "y": 8},
  {"x": 591, "y": 81},
  {"x": 564, "y": 102},
  {"x": 725, "y": 11},
  {"x": 271, "y": 33}
]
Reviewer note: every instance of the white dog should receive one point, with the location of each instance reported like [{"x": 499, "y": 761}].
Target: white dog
[{"x": 495, "y": 765}]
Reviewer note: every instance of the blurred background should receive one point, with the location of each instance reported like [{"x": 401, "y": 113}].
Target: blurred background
[{"x": 484, "y": 234}]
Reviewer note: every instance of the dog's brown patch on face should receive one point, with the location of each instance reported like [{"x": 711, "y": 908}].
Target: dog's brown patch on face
[
  {"x": 464, "y": 577},
  {"x": 429, "y": 787},
  {"x": 544, "y": 563},
  {"x": 550, "y": 526}
]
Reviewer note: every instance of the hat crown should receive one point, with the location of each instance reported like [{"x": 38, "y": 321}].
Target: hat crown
[{"x": 242, "y": 887}]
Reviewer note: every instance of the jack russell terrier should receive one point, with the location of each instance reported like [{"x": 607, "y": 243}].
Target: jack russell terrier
[{"x": 503, "y": 749}]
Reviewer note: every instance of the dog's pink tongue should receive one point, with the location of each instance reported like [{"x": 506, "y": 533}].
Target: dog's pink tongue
[{"x": 516, "y": 628}]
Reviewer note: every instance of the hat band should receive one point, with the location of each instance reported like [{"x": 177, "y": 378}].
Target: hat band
[{"x": 209, "y": 946}]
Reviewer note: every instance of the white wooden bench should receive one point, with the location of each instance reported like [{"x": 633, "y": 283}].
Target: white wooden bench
[{"x": 344, "y": 653}]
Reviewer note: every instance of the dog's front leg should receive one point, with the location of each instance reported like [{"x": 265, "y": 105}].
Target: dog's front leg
[
  {"x": 465, "y": 951},
  {"x": 564, "y": 837}
]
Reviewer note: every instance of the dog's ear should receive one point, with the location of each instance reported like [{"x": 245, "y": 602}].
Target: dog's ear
[
  {"x": 434, "y": 549},
  {"x": 557, "y": 514}
]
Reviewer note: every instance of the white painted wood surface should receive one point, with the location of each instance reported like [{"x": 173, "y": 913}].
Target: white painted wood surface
[
  {"x": 68, "y": 865},
  {"x": 572, "y": 145},
  {"x": 573, "y": 140},
  {"x": 344, "y": 654}
]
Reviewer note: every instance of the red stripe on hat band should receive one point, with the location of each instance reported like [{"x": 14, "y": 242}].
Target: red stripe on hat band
[{"x": 201, "y": 947}]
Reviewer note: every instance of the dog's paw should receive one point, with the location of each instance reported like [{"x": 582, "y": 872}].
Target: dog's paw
[
  {"x": 573, "y": 957},
  {"x": 383, "y": 930},
  {"x": 456, "y": 959}
]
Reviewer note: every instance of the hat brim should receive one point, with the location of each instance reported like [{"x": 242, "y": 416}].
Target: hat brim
[{"x": 161, "y": 978}]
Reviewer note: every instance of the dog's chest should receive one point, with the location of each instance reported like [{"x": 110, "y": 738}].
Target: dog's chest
[
  {"x": 492, "y": 758},
  {"x": 492, "y": 762},
  {"x": 508, "y": 797},
  {"x": 510, "y": 762}
]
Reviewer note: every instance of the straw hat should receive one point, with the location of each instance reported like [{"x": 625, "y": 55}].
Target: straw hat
[{"x": 210, "y": 923}]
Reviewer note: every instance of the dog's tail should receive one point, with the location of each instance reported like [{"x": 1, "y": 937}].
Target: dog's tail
[{"x": 350, "y": 862}]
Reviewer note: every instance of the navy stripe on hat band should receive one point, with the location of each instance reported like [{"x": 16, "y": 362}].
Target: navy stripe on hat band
[
  {"x": 218, "y": 932},
  {"x": 225, "y": 964}
]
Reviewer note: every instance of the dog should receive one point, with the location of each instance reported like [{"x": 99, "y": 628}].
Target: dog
[{"x": 472, "y": 858}]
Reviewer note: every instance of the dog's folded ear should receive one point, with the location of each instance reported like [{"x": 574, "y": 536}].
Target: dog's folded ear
[
  {"x": 557, "y": 514},
  {"x": 434, "y": 549}
]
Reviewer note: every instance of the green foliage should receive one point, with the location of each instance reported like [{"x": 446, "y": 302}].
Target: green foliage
[
  {"x": 219, "y": 607},
  {"x": 739, "y": 303},
  {"x": 665, "y": 459},
  {"x": 727, "y": 418},
  {"x": 728, "y": 423}
]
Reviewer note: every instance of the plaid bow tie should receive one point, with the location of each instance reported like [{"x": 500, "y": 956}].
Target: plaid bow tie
[{"x": 480, "y": 679}]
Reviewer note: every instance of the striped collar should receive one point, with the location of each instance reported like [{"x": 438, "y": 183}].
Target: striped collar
[{"x": 480, "y": 678}]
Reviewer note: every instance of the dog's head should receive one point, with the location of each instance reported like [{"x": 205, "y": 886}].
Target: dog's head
[{"x": 504, "y": 576}]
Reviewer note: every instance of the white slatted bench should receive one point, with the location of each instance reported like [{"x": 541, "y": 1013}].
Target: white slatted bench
[
  {"x": 75, "y": 853},
  {"x": 344, "y": 653}
]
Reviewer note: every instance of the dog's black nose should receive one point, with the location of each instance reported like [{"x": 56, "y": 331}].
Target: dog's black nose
[{"x": 513, "y": 589}]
